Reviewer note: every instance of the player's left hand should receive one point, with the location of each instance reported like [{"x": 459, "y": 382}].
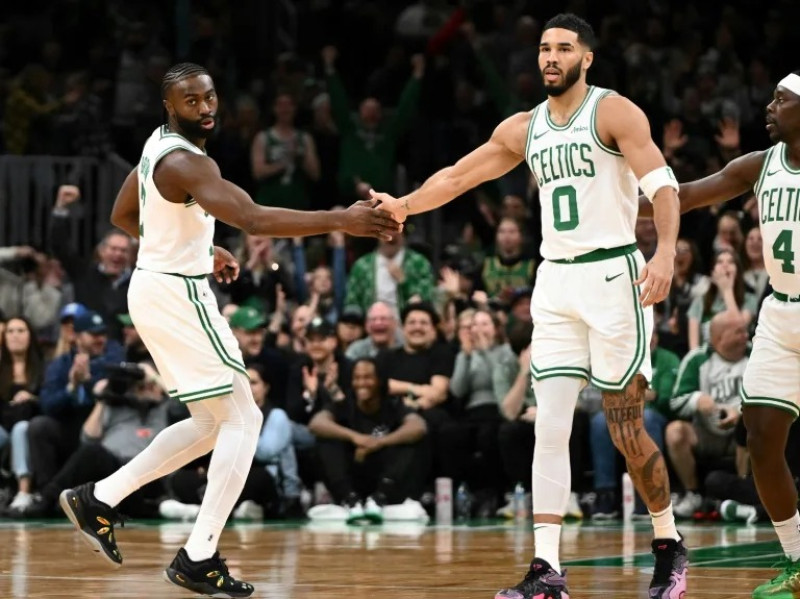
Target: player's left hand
[
  {"x": 226, "y": 267},
  {"x": 655, "y": 279}
]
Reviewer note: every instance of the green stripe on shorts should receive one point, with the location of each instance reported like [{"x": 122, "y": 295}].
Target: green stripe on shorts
[
  {"x": 206, "y": 393},
  {"x": 568, "y": 371},
  {"x": 205, "y": 322},
  {"x": 639, "y": 353},
  {"x": 770, "y": 402}
]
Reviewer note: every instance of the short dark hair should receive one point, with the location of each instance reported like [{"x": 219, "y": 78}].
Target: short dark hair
[
  {"x": 263, "y": 371},
  {"x": 180, "y": 71},
  {"x": 426, "y": 307},
  {"x": 572, "y": 22}
]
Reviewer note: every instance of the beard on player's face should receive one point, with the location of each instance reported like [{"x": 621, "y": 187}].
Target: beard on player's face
[
  {"x": 193, "y": 128},
  {"x": 570, "y": 77}
]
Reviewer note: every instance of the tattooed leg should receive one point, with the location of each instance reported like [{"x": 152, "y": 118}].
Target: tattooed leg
[{"x": 624, "y": 415}]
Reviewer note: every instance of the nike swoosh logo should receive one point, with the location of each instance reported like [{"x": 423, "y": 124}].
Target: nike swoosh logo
[
  {"x": 538, "y": 135},
  {"x": 535, "y": 528},
  {"x": 769, "y": 174},
  {"x": 614, "y": 277}
]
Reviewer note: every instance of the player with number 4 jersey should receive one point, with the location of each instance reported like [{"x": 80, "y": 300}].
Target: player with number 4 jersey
[
  {"x": 771, "y": 385},
  {"x": 590, "y": 151}
]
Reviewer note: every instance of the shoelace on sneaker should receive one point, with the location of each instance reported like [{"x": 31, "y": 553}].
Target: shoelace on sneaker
[
  {"x": 114, "y": 517},
  {"x": 223, "y": 567},
  {"x": 787, "y": 568},
  {"x": 528, "y": 584},
  {"x": 219, "y": 564}
]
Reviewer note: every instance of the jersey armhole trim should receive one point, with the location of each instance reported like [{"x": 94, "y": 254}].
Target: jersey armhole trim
[
  {"x": 761, "y": 175},
  {"x": 530, "y": 131},
  {"x": 593, "y": 127},
  {"x": 155, "y": 162}
]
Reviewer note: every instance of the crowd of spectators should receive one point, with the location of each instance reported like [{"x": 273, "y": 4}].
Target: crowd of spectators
[{"x": 376, "y": 371}]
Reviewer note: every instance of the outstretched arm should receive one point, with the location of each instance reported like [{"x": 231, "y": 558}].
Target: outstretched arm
[
  {"x": 628, "y": 128},
  {"x": 199, "y": 177},
  {"x": 504, "y": 150},
  {"x": 738, "y": 176},
  {"x": 125, "y": 213}
]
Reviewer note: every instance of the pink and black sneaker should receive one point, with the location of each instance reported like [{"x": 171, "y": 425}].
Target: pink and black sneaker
[
  {"x": 541, "y": 582},
  {"x": 672, "y": 565}
]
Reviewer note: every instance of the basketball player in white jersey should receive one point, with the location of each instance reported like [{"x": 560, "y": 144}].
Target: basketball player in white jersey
[
  {"x": 170, "y": 202},
  {"x": 587, "y": 147},
  {"x": 771, "y": 385}
]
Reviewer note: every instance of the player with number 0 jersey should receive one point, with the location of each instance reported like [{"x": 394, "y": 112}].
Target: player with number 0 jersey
[{"x": 590, "y": 151}]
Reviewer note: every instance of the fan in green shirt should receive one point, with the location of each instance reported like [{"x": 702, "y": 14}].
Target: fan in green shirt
[{"x": 368, "y": 140}]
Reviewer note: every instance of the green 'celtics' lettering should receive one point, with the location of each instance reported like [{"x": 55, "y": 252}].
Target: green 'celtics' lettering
[
  {"x": 779, "y": 204},
  {"x": 562, "y": 161}
]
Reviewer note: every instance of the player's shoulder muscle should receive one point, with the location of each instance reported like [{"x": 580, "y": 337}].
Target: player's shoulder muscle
[
  {"x": 183, "y": 172},
  {"x": 512, "y": 132},
  {"x": 617, "y": 114}
]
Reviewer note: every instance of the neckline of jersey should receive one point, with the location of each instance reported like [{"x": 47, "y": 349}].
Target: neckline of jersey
[
  {"x": 574, "y": 116},
  {"x": 167, "y": 133},
  {"x": 785, "y": 161}
]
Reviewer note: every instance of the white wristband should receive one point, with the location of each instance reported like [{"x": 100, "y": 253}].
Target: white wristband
[{"x": 656, "y": 179}]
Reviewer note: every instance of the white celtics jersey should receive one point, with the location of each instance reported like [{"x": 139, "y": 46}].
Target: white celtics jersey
[
  {"x": 778, "y": 194},
  {"x": 173, "y": 238},
  {"x": 588, "y": 193}
]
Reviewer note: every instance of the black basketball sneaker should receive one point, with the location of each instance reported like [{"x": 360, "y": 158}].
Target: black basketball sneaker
[
  {"x": 207, "y": 577},
  {"x": 94, "y": 520}
]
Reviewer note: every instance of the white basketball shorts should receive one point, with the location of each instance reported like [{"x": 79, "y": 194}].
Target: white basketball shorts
[
  {"x": 191, "y": 343},
  {"x": 588, "y": 322},
  {"x": 772, "y": 376}
]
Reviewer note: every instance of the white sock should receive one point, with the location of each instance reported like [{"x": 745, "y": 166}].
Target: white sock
[
  {"x": 664, "y": 524},
  {"x": 789, "y": 536},
  {"x": 547, "y": 539},
  {"x": 172, "y": 448},
  {"x": 240, "y": 425}
]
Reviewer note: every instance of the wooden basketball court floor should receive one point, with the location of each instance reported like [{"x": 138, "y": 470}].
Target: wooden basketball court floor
[{"x": 398, "y": 561}]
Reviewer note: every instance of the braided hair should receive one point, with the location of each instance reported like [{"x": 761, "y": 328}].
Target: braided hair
[
  {"x": 180, "y": 71},
  {"x": 176, "y": 73}
]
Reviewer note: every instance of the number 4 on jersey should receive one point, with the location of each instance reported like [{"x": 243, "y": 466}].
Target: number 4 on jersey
[{"x": 782, "y": 250}]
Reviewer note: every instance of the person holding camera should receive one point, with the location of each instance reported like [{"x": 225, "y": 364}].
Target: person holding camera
[
  {"x": 129, "y": 410},
  {"x": 706, "y": 398}
]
